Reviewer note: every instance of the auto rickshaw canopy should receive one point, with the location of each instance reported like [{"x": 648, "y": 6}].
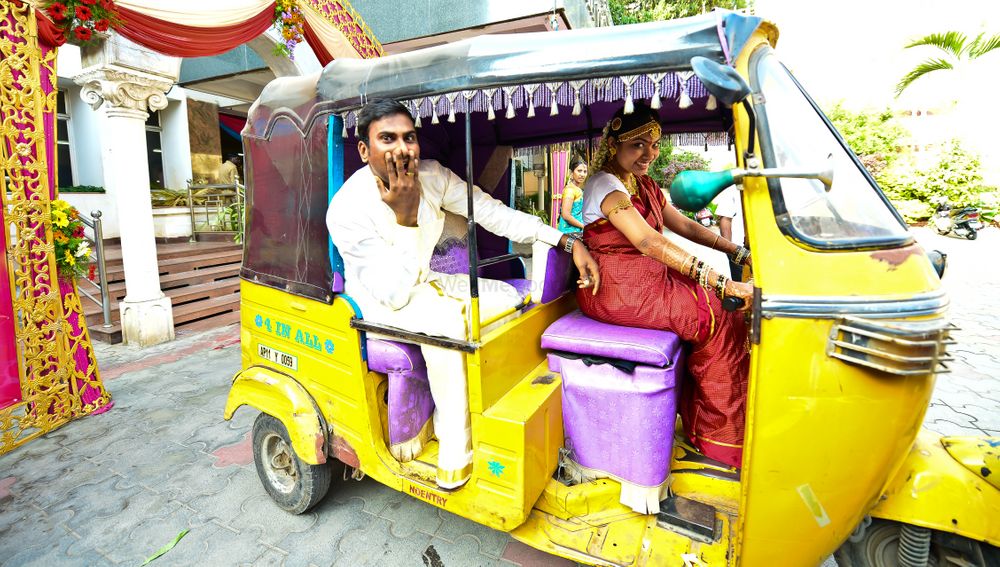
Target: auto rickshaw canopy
[{"x": 519, "y": 90}]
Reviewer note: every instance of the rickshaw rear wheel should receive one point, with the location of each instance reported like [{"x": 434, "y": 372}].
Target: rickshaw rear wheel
[{"x": 294, "y": 485}]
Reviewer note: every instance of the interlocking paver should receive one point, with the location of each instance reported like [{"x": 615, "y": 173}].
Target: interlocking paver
[
  {"x": 376, "y": 546},
  {"x": 319, "y": 545}
]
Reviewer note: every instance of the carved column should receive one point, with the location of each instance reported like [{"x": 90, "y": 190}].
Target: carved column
[{"x": 127, "y": 96}]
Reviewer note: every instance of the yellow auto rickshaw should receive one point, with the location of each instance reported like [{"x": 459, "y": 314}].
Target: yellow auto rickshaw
[{"x": 848, "y": 326}]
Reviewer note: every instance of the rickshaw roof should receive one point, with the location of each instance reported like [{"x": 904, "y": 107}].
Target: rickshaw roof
[{"x": 493, "y": 62}]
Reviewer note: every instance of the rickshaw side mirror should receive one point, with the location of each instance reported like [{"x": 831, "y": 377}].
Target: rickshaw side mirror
[{"x": 724, "y": 82}]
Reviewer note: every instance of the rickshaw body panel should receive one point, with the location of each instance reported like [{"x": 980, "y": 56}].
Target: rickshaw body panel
[
  {"x": 934, "y": 490},
  {"x": 517, "y": 437},
  {"x": 279, "y": 395},
  {"x": 823, "y": 436}
]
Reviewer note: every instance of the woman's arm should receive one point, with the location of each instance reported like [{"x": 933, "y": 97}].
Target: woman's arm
[
  {"x": 618, "y": 209},
  {"x": 693, "y": 231},
  {"x": 567, "y": 212}
]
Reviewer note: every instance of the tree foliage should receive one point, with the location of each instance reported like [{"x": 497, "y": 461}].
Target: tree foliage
[
  {"x": 954, "y": 172},
  {"x": 640, "y": 11},
  {"x": 873, "y": 135},
  {"x": 957, "y": 51}
]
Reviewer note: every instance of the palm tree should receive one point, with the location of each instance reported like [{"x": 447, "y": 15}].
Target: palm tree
[{"x": 957, "y": 49}]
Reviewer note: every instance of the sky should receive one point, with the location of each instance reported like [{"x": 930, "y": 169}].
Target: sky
[{"x": 852, "y": 50}]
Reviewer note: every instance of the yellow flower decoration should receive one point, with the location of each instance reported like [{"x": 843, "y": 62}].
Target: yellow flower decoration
[
  {"x": 60, "y": 219},
  {"x": 68, "y": 257},
  {"x": 60, "y": 205}
]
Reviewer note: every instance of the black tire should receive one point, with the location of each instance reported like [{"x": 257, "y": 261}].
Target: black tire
[
  {"x": 295, "y": 486},
  {"x": 971, "y": 234},
  {"x": 990, "y": 554}
]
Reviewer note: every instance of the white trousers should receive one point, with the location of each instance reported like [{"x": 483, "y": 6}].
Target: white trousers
[{"x": 442, "y": 307}]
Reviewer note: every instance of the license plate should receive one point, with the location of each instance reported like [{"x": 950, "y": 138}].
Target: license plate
[{"x": 278, "y": 357}]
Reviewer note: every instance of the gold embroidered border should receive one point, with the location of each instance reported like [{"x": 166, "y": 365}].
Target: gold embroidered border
[
  {"x": 345, "y": 18},
  {"x": 50, "y": 383}
]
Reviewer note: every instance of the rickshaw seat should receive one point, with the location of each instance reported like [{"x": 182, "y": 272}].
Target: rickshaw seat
[
  {"x": 620, "y": 390},
  {"x": 410, "y": 404}
]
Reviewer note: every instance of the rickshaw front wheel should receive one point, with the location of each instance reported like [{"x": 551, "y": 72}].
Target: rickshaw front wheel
[{"x": 294, "y": 485}]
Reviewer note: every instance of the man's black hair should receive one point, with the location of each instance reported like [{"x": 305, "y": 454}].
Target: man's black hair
[
  {"x": 377, "y": 110},
  {"x": 231, "y": 157}
]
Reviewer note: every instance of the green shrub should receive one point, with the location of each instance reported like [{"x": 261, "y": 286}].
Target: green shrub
[
  {"x": 81, "y": 189},
  {"x": 914, "y": 210}
]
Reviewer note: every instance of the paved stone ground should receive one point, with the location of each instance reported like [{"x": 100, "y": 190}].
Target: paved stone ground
[{"x": 114, "y": 488}]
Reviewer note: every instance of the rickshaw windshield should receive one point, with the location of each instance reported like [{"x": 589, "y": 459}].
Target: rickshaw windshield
[{"x": 795, "y": 135}]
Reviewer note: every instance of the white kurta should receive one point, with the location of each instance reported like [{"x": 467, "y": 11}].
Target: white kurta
[{"x": 387, "y": 272}]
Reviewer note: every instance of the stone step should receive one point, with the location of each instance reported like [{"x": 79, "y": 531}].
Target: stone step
[
  {"x": 178, "y": 296},
  {"x": 200, "y": 310},
  {"x": 184, "y": 264},
  {"x": 113, "y": 252}
]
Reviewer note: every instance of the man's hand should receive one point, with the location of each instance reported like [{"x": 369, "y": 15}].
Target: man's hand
[
  {"x": 589, "y": 276},
  {"x": 403, "y": 193}
]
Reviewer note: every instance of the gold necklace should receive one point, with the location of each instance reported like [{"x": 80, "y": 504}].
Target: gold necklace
[{"x": 628, "y": 180}]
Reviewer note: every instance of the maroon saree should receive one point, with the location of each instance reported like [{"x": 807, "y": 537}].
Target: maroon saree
[{"x": 638, "y": 291}]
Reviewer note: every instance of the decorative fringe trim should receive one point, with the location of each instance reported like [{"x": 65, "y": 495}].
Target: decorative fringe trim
[
  {"x": 554, "y": 107},
  {"x": 343, "y": 134},
  {"x": 712, "y": 104},
  {"x": 411, "y": 449},
  {"x": 451, "y": 106},
  {"x": 685, "y": 98},
  {"x": 490, "y": 114},
  {"x": 641, "y": 499},
  {"x": 629, "y": 104},
  {"x": 434, "y": 110},
  {"x": 654, "y": 102},
  {"x": 509, "y": 92}
]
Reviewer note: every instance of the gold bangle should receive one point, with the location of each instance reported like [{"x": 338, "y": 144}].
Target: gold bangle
[{"x": 716, "y": 241}]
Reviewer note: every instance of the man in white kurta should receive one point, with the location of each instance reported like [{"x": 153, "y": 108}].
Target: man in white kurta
[{"x": 387, "y": 266}]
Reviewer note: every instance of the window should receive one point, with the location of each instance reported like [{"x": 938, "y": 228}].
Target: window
[
  {"x": 154, "y": 149},
  {"x": 64, "y": 154},
  {"x": 795, "y": 135}
]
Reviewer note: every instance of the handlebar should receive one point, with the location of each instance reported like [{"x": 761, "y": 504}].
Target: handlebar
[{"x": 732, "y": 303}]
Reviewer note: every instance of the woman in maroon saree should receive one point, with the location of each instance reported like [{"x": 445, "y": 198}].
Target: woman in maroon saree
[{"x": 647, "y": 281}]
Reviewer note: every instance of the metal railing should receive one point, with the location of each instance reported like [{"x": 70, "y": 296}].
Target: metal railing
[
  {"x": 96, "y": 239},
  {"x": 217, "y": 208},
  {"x": 600, "y": 12}
]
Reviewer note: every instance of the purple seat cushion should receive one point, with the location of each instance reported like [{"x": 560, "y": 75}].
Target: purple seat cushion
[
  {"x": 579, "y": 334},
  {"x": 389, "y": 356}
]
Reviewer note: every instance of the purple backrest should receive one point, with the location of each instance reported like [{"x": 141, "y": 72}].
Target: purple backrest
[{"x": 552, "y": 273}]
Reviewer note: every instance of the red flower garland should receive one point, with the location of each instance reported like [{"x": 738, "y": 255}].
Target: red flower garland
[{"x": 84, "y": 18}]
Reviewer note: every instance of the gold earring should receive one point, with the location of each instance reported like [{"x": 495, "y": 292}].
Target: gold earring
[{"x": 612, "y": 150}]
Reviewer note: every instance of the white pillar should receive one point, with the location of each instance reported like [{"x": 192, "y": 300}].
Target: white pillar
[{"x": 146, "y": 315}]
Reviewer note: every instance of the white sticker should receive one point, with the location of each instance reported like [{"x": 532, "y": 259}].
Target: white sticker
[
  {"x": 815, "y": 506},
  {"x": 278, "y": 357}
]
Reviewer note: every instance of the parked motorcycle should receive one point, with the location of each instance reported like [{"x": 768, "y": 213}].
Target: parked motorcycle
[
  {"x": 705, "y": 217},
  {"x": 963, "y": 221}
]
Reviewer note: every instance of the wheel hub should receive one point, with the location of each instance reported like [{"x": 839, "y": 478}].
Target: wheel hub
[{"x": 279, "y": 464}]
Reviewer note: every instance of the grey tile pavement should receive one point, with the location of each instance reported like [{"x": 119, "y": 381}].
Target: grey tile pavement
[{"x": 112, "y": 489}]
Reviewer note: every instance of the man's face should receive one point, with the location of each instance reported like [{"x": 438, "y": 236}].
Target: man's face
[{"x": 386, "y": 135}]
